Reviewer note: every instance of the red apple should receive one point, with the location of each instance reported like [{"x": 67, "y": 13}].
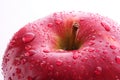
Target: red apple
[{"x": 65, "y": 46}]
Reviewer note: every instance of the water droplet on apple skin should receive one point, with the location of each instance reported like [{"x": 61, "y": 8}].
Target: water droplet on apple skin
[
  {"x": 93, "y": 56},
  {"x": 28, "y": 37},
  {"x": 98, "y": 70},
  {"x": 51, "y": 67},
  {"x": 43, "y": 64},
  {"x": 117, "y": 59},
  {"x": 93, "y": 37},
  {"x": 113, "y": 47},
  {"x": 17, "y": 61},
  {"x": 50, "y": 24},
  {"x": 117, "y": 77},
  {"x": 57, "y": 73},
  {"x": 91, "y": 43},
  {"x": 106, "y": 26},
  {"x": 75, "y": 55},
  {"x": 58, "y": 21},
  {"x": 23, "y": 61},
  {"x": 46, "y": 51},
  {"x": 6, "y": 59},
  {"x": 91, "y": 49},
  {"x": 9, "y": 78},
  {"x": 84, "y": 59},
  {"x": 105, "y": 52},
  {"x": 30, "y": 53},
  {"x": 12, "y": 43},
  {"x": 59, "y": 62},
  {"x": 28, "y": 47}
]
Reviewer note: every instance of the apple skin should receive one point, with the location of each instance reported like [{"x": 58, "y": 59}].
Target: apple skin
[{"x": 38, "y": 51}]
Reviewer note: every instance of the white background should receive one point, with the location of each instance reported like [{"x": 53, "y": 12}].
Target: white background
[{"x": 14, "y": 14}]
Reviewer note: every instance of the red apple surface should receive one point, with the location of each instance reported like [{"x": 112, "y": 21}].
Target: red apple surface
[{"x": 65, "y": 46}]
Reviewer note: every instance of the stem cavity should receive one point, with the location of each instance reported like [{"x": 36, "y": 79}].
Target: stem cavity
[{"x": 72, "y": 42}]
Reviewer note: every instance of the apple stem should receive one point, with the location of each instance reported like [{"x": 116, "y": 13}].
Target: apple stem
[{"x": 75, "y": 27}]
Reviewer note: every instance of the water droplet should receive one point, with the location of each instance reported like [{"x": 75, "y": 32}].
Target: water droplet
[
  {"x": 28, "y": 37},
  {"x": 117, "y": 77},
  {"x": 50, "y": 67},
  {"x": 45, "y": 56},
  {"x": 75, "y": 55},
  {"x": 28, "y": 47},
  {"x": 117, "y": 59},
  {"x": 57, "y": 73},
  {"x": 58, "y": 21},
  {"x": 23, "y": 61},
  {"x": 93, "y": 37},
  {"x": 105, "y": 52},
  {"x": 106, "y": 26},
  {"x": 84, "y": 59},
  {"x": 98, "y": 70},
  {"x": 12, "y": 43},
  {"x": 50, "y": 24},
  {"x": 42, "y": 64},
  {"x": 93, "y": 56},
  {"x": 91, "y": 49},
  {"x": 46, "y": 51},
  {"x": 17, "y": 61},
  {"x": 6, "y": 59},
  {"x": 30, "y": 53},
  {"x": 59, "y": 62},
  {"x": 18, "y": 70},
  {"x": 69, "y": 66},
  {"x": 9, "y": 78},
  {"x": 112, "y": 38},
  {"x": 91, "y": 43},
  {"x": 112, "y": 47}
]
